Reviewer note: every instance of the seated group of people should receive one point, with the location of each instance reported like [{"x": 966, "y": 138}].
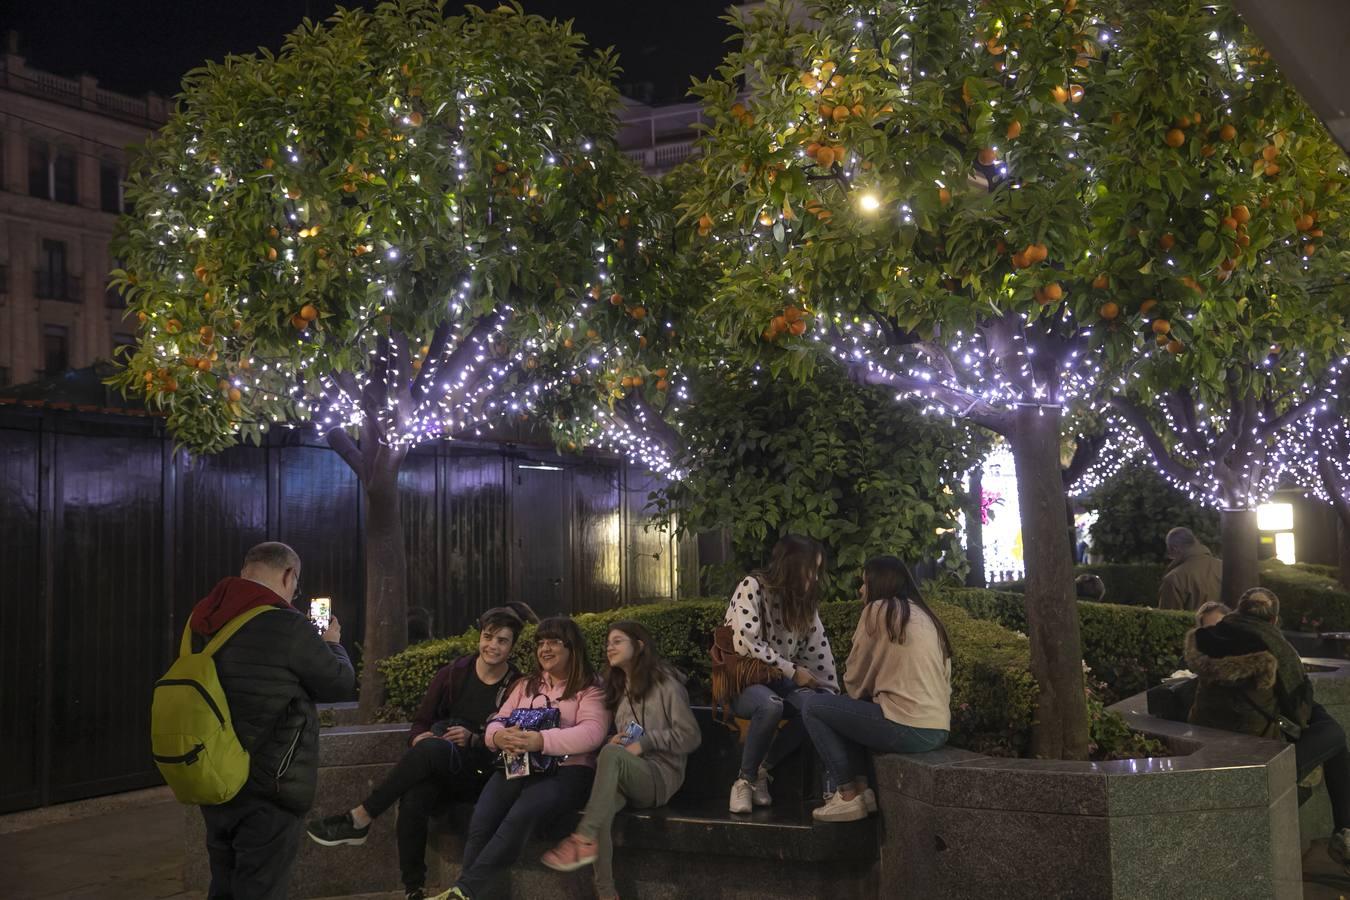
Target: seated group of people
[
  {"x": 623, "y": 740},
  {"x": 1251, "y": 679}
]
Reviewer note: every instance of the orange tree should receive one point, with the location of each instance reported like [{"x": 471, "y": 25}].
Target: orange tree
[
  {"x": 938, "y": 192},
  {"x": 378, "y": 235}
]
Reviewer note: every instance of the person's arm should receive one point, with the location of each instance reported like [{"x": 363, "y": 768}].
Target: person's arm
[
  {"x": 678, "y": 732},
  {"x": 859, "y": 666},
  {"x": 587, "y": 733},
  {"x": 513, "y": 700},
  {"x": 425, "y": 716},
  {"x": 747, "y": 626},
  {"x": 815, "y": 657},
  {"x": 323, "y": 667},
  {"x": 1168, "y": 595}
]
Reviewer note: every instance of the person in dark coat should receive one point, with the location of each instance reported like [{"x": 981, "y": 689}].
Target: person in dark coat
[
  {"x": 1252, "y": 680},
  {"x": 272, "y": 671},
  {"x": 446, "y": 760}
]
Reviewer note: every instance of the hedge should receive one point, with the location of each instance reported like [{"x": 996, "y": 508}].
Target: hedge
[
  {"x": 1128, "y": 649},
  {"x": 993, "y": 691},
  {"x": 1127, "y": 584}
]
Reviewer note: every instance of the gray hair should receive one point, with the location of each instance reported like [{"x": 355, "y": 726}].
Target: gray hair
[
  {"x": 272, "y": 555},
  {"x": 1210, "y": 607},
  {"x": 1181, "y": 539},
  {"x": 1259, "y": 602}
]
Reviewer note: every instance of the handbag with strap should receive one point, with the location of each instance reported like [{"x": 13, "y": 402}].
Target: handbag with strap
[
  {"x": 534, "y": 718},
  {"x": 732, "y": 673}
]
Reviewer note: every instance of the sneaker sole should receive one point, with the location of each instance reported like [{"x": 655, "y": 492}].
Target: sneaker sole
[
  {"x": 836, "y": 818},
  {"x": 354, "y": 842},
  {"x": 569, "y": 867}
]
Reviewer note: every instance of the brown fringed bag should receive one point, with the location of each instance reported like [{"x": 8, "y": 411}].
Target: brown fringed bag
[{"x": 733, "y": 673}]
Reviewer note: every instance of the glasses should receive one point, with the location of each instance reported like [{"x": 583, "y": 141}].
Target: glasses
[
  {"x": 617, "y": 641},
  {"x": 551, "y": 644}
]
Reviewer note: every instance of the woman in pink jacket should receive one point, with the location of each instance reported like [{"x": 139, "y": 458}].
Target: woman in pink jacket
[{"x": 510, "y": 809}]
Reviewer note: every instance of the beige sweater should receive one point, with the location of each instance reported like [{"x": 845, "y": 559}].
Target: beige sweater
[{"x": 911, "y": 681}]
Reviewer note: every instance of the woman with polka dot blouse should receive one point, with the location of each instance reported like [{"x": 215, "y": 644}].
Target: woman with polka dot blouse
[
  {"x": 774, "y": 617},
  {"x": 898, "y": 677}
]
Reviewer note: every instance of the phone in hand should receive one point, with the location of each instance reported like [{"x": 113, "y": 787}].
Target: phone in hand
[{"x": 320, "y": 611}]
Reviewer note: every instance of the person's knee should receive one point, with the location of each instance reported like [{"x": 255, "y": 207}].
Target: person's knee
[
  {"x": 611, "y": 754},
  {"x": 770, "y": 708}
]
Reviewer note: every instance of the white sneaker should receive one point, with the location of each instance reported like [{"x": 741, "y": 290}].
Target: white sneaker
[
  {"x": 870, "y": 800},
  {"x": 837, "y": 809},
  {"x": 741, "y": 793},
  {"x": 761, "y": 788}
]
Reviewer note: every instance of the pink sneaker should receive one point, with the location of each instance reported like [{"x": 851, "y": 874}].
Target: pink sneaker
[{"x": 571, "y": 854}]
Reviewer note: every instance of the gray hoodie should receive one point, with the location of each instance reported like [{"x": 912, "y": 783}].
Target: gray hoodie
[{"x": 669, "y": 731}]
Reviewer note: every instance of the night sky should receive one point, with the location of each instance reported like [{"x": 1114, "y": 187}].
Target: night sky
[{"x": 142, "y": 45}]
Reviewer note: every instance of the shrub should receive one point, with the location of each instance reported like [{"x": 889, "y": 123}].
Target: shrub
[
  {"x": 1136, "y": 509},
  {"x": 993, "y": 692},
  {"x": 1128, "y": 649},
  {"x": 1127, "y": 584},
  {"x": 1309, "y": 600}
]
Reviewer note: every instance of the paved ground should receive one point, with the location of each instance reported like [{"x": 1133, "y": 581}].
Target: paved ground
[{"x": 130, "y": 850}]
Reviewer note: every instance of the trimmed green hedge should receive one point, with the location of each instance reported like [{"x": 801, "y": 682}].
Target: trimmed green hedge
[
  {"x": 993, "y": 692},
  {"x": 1127, "y": 584},
  {"x": 1128, "y": 649}
]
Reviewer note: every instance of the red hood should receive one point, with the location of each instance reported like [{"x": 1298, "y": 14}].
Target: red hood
[{"x": 229, "y": 598}]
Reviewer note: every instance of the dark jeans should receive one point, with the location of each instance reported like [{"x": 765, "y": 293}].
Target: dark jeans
[
  {"x": 430, "y": 776},
  {"x": 765, "y": 705},
  {"x": 507, "y": 814},
  {"x": 841, "y": 727},
  {"x": 1323, "y": 743},
  {"x": 251, "y": 844}
]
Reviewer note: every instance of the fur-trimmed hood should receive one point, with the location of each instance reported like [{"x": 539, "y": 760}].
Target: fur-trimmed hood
[{"x": 1230, "y": 660}]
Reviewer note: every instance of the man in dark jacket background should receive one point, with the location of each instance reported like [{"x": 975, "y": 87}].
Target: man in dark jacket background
[
  {"x": 272, "y": 671},
  {"x": 1252, "y": 680}
]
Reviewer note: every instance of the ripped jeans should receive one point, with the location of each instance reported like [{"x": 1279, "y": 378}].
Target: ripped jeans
[{"x": 765, "y": 705}]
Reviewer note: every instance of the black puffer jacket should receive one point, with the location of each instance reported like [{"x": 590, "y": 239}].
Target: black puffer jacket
[{"x": 273, "y": 670}]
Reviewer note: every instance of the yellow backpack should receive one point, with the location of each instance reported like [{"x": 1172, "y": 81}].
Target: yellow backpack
[{"x": 191, "y": 734}]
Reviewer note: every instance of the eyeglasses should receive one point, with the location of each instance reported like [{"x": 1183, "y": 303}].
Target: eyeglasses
[{"x": 551, "y": 644}]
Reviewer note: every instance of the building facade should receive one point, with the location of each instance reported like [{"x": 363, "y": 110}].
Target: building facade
[{"x": 63, "y": 155}]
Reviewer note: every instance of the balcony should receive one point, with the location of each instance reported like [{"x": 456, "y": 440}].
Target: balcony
[{"x": 56, "y": 286}]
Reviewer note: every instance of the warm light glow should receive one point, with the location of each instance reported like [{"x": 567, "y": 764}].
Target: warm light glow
[
  {"x": 869, "y": 202},
  {"x": 1284, "y": 545},
  {"x": 1276, "y": 517}
]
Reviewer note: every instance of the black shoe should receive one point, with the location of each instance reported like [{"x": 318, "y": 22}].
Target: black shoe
[
  {"x": 415, "y": 894},
  {"x": 332, "y": 831}
]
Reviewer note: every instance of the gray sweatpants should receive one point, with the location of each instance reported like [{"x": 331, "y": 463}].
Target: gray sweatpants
[{"x": 621, "y": 779}]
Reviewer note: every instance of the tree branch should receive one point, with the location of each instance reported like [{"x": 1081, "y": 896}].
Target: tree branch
[
  {"x": 347, "y": 448},
  {"x": 962, "y": 404},
  {"x": 1181, "y": 405},
  {"x": 462, "y": 358},
  {"x": 639, "y": 416},
  {"x": 1135, "y": 415},
  {"x": 1085, "y": 452},
  {"x": 430, "y": 365}
]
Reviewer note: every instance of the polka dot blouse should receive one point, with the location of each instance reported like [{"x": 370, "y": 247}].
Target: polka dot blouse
[{"x": 756, "y": 621}]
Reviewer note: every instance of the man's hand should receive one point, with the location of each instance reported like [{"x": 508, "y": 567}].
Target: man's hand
[
  {"x": 458, "y": 735},
  {"x": 616, "y": 740},
  {"x": 422, "y": 737},
  {"x": 333, "y": 634},
  {"x": 803, "y": 678}
]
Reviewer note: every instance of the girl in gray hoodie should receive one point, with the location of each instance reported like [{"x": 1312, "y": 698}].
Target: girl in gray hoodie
[{"x": 642, "y": 765}]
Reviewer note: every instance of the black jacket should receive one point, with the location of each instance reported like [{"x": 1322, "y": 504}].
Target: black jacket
[
  {"x": 1249, "y": 676},
  {"x": 273, "y": 671}
]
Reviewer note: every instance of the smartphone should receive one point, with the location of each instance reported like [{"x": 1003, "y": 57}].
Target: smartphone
[{"x": 320, "y": 611}]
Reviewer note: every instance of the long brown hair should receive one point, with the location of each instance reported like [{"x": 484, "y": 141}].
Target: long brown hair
[
  {"x": 649, "y": 669},
  {"x": 890, "y": 583},
  {"x": 580, "y": 675},
  {"x": 793, "y": 565}
]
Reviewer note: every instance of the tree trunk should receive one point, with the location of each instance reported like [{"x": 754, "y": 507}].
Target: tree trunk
[
  {"x": 1343, "y": 545},
  {"x": 1240, "y": 541},
  {"x": 1061, "y": 730},
  {"x": 386, "y": 625},
  {"x": 975, "y": 529}
]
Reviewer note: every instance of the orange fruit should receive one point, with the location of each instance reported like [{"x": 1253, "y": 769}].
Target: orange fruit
[
  {"x": 1037, "y": 253},
  {"x": 235, "y": 395},
  {"x": 639, "y": 312},
  {"x": 268, "y": 162},
  {"x": 944, "y": 196},
  {"x": 1175, "y": 346},
  {"x": 840, "y": 113},
  {"x": 797, "y": 328},
  {"x": 1076, "y": 93},
  {"x": 662, "y": 384},
  {"x": 616, "y": 299},
  {"x": 271, "y": 254},
  {"x": 1242, "y": 214},
  {"x": 1272, "y": 169},
  {"x": 1109, "y": 310},
  {"x": 1207, "y": 150},
  {"x": 1229, "y": 223},
  {"x": 1147, "y": 305},
  {"x": 792, "y": 314},
  {"x": 1053, "y": 291},
  {"x": 415, "y": 118},
  {"x": 1175, "y": 137},
  {"x": 1019, "y": 260},
  {"x": 1270, "y": 152},
  {"x": 1100, "y": 282},
  {"x": 1227, "y": 133},
  {"x": 298, "y": 322},
  {"x": 987, "y": 157},
  {"x": 1014, "y": 130},
  {"x": 1161, "y": 326},
  {"x": 1161, "y": 339},
  {"x": 200, "y": 272},
  {"x": 1059, "y": 93},
  {"x": 738, "y": 109},
  {"x": 308, "y": 312},
  {"x": 1305, "y": 222},
  {"x": 825, "y": 157},
  {"x": 1243, "y": 241},
  {"x": 1167, "y": 242},
  {"x": 1309, "y": 249}
]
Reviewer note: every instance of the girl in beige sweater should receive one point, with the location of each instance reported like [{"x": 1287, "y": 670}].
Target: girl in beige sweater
[{"x": 898, "y": 678}]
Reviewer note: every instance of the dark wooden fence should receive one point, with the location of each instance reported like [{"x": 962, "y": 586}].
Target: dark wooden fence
[{"x": 108, "y": 536}]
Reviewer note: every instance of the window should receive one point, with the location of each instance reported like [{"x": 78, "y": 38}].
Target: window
[
  {"x": 39, "y": 169},
  {"x": 63, "y": 177},
  {"x": 52, "y": 281},
  {"x": 55, "y": 349},
  {"x": 110, "y": 187}
]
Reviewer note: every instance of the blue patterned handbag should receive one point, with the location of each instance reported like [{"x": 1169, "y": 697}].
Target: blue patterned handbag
[{"x": 533, "y": 718}]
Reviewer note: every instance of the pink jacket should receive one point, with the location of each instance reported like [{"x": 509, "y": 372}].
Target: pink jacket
[{"x": 584, "y": 726}]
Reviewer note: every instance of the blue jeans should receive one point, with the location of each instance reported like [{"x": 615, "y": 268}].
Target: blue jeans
[
  {"x": 841, "y": 727},
  {"x": 765, "y": 705}
]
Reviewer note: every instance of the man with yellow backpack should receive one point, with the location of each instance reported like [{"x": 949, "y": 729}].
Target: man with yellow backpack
[{"x": 233, "y": 723}]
